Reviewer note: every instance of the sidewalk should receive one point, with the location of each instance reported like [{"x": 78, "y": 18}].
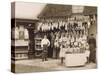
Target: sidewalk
[{"x": 37, "y": 65}]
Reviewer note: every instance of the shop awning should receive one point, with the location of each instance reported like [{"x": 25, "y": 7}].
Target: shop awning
[
  {"x": 56, "y": 10},
  {"x": 90, "y": 10}
]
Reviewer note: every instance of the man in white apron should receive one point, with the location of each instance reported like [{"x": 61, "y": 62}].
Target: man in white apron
[{"x": 44, "y": 44}]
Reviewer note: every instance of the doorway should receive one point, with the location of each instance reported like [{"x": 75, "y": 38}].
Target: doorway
[{"x": 31, "y": 52}]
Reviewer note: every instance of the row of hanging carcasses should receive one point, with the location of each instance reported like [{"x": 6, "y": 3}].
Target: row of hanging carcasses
[{"x": 63, "y": 25}]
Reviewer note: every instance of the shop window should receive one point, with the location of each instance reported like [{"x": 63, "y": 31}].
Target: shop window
[{"x": 21, "y": 32}]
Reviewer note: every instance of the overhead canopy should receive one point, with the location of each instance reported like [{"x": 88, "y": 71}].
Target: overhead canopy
[
  {"x": 89, "y": 10},
  {"x": 55, "y": 10},
  {"x": 29, "y": 10}
]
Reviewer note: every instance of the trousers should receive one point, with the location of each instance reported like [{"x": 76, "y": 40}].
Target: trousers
[{"x": 44, "y": 53}]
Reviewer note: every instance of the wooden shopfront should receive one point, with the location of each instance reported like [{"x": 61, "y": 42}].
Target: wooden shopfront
[
  {"x": 22, "y": 44},
  {"x": 54, "y": 19}
]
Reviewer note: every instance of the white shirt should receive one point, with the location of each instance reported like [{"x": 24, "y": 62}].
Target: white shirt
[
  {"x": 56, "y": 43},
  {"x": 45, "y": 42}
]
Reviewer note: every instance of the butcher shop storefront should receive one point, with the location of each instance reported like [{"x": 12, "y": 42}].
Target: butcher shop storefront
[{"x": 67, "y": 28}]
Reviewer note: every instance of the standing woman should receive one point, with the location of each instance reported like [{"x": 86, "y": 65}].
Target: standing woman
[{"x": 62, "y": 48}]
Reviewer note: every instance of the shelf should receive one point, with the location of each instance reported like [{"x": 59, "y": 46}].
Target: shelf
[
  {"x": 19, "y": 43},
  {"x": 38, "y": 49},
  {"x": 24, "y": 52},
  {"x": 18, "y": 58}
]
